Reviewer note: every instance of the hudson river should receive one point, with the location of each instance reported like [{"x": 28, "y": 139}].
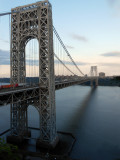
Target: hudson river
[{"x": 92, "y": 115}]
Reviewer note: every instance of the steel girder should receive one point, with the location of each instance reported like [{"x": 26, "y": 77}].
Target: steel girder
[{"x": 28, "y": 22}]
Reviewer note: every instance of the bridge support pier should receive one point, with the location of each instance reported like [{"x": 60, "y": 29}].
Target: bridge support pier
[
  {"x": 94, "y": 83},
  {"x": 93, "y": 73},
  {"x": 42, "y": 144},
  {"x": 19, "y": 123}
]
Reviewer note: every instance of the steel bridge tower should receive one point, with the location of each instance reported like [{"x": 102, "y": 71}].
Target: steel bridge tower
[
  {"x": 93, "y": 73},
  {"x": 29, "y": 22}
]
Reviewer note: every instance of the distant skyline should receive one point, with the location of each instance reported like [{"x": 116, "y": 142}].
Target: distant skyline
[{"x": 89, "y": 29}]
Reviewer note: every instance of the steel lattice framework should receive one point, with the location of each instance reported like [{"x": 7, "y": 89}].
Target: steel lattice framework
[
  {"x": 93, "y": 73},
  {"x": 29, "y": 22}
]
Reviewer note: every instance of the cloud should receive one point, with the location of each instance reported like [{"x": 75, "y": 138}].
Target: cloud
[
  {"x": 4, "y": 41},
  {"x": 115, "y": 4},
  {"x": 111, "y": 54},
  {"x": 79, "y": 38},
  {"x": 110, "y": 64},
  {"x": 32, "y": 62},
  {"x": 112, "y": 2},
  {"x": 4, "y": 57},
  {"x": 70, "y": 63},
  {"x": 70, "y": 47}
]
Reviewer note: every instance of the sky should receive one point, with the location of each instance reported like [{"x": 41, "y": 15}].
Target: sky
[{"x": 90, "y": 29}]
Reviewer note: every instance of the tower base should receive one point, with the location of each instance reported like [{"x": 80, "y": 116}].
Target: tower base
[
  {"x": 18, "y": 140},
  {"x": 46, "y": 145}
]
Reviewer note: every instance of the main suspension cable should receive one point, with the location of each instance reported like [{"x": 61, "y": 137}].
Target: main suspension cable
[
  {"x": 66, "y": 49},
  {"x": 64, "y": 64}
]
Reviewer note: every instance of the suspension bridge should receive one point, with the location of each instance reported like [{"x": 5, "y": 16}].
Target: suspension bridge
[{"x": 53, "y": 68}]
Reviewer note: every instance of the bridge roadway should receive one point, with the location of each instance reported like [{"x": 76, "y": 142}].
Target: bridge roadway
[{"x": 30, "y": 94}]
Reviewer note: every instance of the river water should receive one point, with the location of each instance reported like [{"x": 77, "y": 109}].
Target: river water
[{"x": 92, "y": 115}]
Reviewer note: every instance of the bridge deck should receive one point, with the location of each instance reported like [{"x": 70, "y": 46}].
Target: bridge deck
[{"x": 30, "y": 93}]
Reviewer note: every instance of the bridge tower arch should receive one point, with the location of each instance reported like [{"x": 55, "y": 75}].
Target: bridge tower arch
[
  {"x": 32, "y": 63},
  {"x": 28, "y": 22}
]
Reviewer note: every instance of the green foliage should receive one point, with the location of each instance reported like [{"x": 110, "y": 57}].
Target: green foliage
[{"x": 8, "y": 151}]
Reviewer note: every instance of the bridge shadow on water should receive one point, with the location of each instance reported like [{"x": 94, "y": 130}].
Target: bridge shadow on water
[
  {"x": 77, "y": 117},
  {"x": 77, "y": 120},
  {"x": 90, "y": 132}
]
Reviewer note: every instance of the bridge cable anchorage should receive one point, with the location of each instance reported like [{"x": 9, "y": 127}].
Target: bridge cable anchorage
[
  {"x": 66, "y": 50},
  {"x": 64, "y": 64}
]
